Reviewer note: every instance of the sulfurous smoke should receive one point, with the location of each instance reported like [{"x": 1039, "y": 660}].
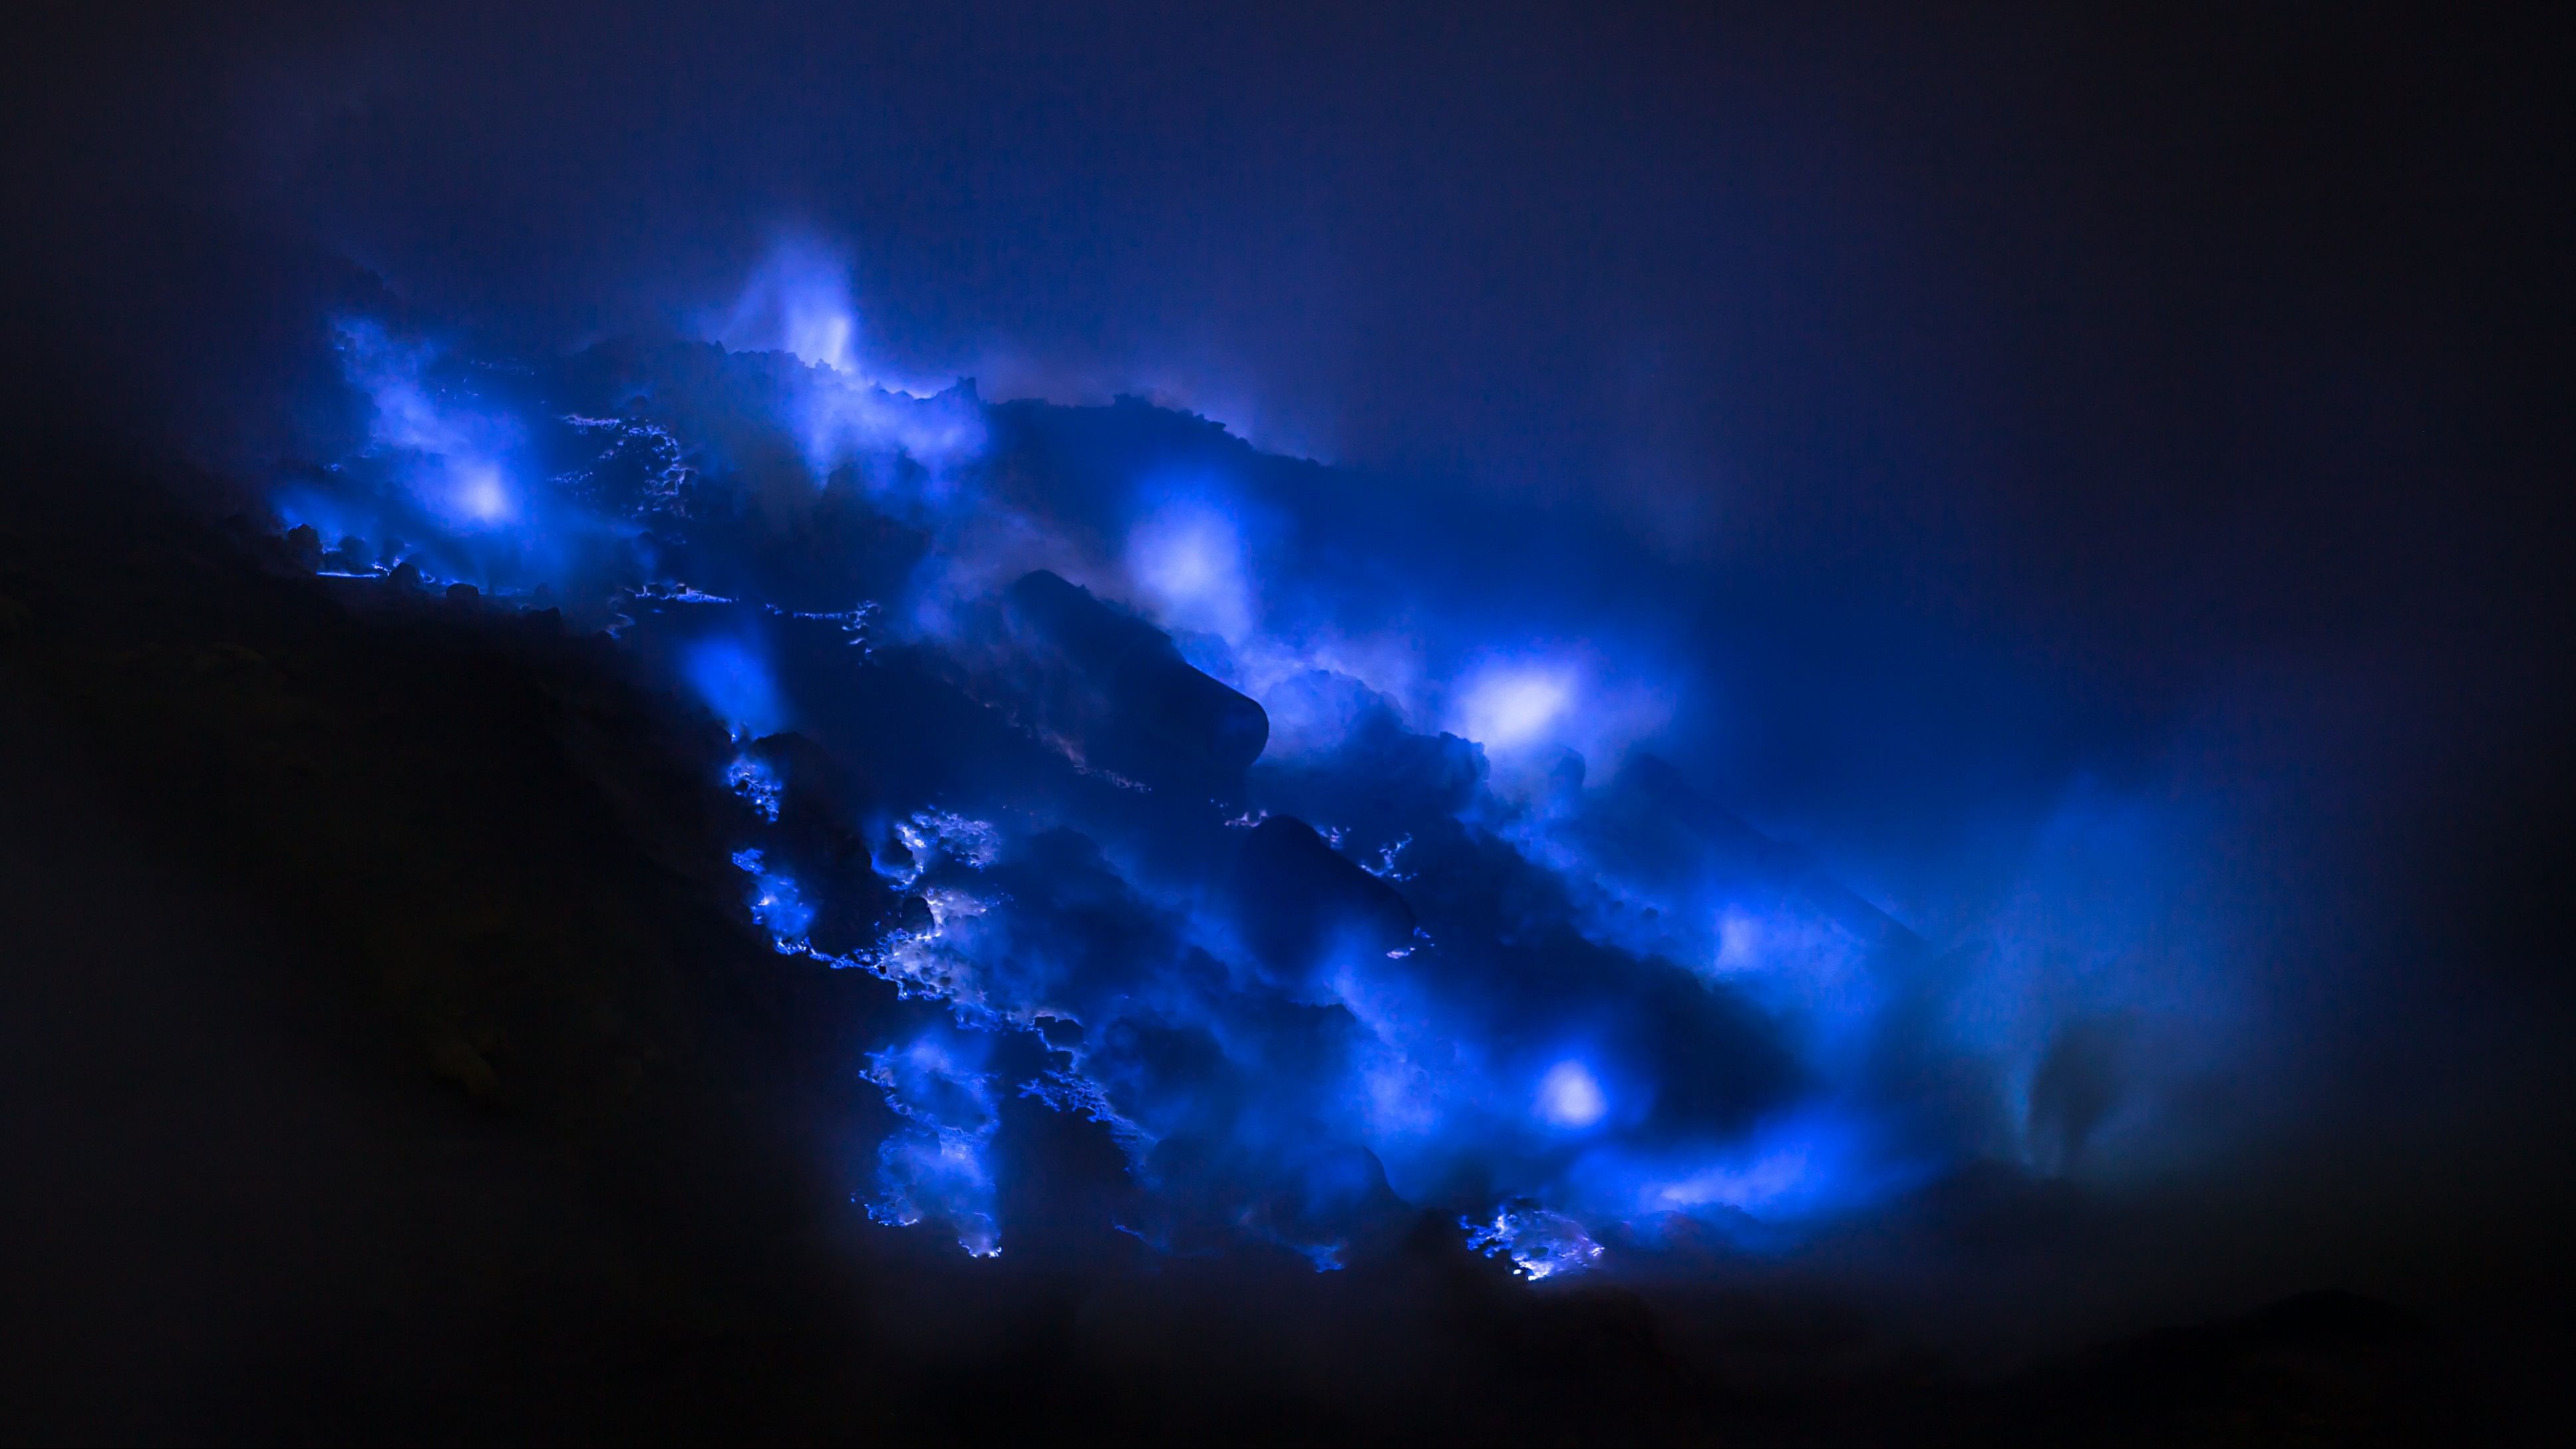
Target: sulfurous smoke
[
  {"x": 1921, "y": 720},
  {"x": 1330, "y": 884}
]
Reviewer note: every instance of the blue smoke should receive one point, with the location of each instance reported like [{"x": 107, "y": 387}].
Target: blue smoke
[
  {"x": 1332, "y": 877},
  {"x": 733, "y": 680}
]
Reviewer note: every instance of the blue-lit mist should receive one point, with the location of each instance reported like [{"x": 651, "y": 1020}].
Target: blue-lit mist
[{"x": 1329, "y": 899}]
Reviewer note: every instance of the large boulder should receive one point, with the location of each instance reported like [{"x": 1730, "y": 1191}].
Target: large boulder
[
  {"x": 1115, "y": 688},
  {"x": 1297, "y": 900}
]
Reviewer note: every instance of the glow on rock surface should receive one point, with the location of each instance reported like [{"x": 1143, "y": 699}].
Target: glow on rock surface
[
  {"x": 935, "y": 1164},
  {"x": 1539, "y": 1244}
]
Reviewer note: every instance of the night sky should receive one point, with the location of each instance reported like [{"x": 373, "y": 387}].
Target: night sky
[{"x": 1360, "y": 723}]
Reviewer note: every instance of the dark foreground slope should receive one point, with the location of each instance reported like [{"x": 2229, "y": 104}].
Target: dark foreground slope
[
  {"x": 385, "y": 1053},
  {"x": 385, "y": 1056}
]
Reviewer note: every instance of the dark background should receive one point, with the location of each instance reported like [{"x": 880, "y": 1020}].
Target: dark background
[{"x": 2172, "y": 396}]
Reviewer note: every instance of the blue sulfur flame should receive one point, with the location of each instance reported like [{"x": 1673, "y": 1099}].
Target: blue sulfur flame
[
  {"x": 1537, "y": 1243},
  {"x": 734, "y": 681},
  {"x": 1328, "y": 900},
  {"x": 935, "y": 1165},
  {"x": 1569, "y": 1097}
]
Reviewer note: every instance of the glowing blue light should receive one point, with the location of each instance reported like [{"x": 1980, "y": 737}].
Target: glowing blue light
[
  {"x": 934, "y": 1166},
  {"x": 756, "y": 784},
  {"x": 1327, "y": 1257},
  {"x": 734, "y": 681},
  {"x": 1568, "y": 1096},
  {"x": 776, "y": 904},
  {"x": 797, "y": 301},
  {"x": 480, "y": 493},
  {"x": 843, "y": 408},
  {"x": 1507, "y": 709},
  {"x": 1187, "y": 559},
  {"x": 1540, "y": 1244},
  {"x": 1560, "y": 918},
  {"x": 1384, "y": 867}
]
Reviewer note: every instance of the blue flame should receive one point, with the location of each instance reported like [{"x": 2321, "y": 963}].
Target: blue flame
[
  {"x": 1568, "y": 1096},
  {"x": 935, "y": 1166},
  {"x": 733, "y": 679},
  {"x": 1537, "y": 1243},
  {"x": 775, "y": 903},
  {"x": 1456, "y": 939}
]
